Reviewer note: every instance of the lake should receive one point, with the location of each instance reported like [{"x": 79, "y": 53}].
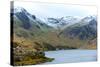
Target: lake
[{"x": 71, "y": 56}]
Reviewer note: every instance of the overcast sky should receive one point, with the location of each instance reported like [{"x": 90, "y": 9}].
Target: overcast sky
[{"x": 44, "y": 10}]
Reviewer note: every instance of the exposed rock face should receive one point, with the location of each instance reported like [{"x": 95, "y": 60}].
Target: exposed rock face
[{"x": 32, "y": 36}]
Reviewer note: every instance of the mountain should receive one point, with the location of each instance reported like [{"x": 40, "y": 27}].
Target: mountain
[
  {"x": 26, "y": 23},
  {"x": 63, "y": 21},
  {"x": 32, "y": 36},
  {"x": 27, "y": 29},
  {"x": 54, "y": 33},
  {"x": 85, "y": 29}
]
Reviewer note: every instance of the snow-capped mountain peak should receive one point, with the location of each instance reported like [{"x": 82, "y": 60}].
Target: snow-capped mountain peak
[
  {"x": 19, "y": 9},
  {"x": 63, "y": 21},
  {"x": 60, "y": 22}
]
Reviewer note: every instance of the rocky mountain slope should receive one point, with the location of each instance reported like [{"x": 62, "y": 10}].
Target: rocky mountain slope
[
  {"x": 32, "y": 36},
  {"x": 55, "y": 32}
]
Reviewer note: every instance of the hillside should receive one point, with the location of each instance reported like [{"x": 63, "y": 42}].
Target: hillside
[
  {"x": 29, "y": 27},
  {"x": 32, "y": 35}
]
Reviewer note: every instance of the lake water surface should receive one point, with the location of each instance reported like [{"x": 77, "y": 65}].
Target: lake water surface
[{"x": 70, "y": 56}]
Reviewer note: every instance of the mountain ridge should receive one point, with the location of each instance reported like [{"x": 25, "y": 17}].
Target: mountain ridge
[{"x": 30, "y": 27}]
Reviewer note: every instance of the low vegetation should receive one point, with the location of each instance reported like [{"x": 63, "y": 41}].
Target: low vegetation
[
  {"x": 31, "y": 37},
  {"x": 24, "y": 55}
]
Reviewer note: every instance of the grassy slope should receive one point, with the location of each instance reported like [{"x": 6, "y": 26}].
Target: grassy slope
[
  {"x": 25, "y": 49},
  {"x": 42, "y": 39}
]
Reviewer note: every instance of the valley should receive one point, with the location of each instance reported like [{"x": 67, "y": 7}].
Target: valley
[{"x": 32, "y": 36}]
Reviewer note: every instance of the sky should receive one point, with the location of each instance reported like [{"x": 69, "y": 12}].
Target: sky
[{"x": 44, "y": 10}]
